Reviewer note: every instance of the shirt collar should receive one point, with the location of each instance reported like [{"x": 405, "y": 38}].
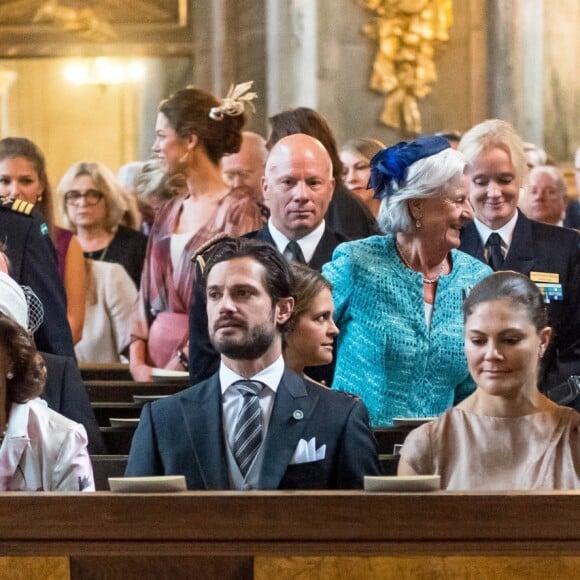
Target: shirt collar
[
  {"x": 307, "y": 244},
  {"x": 18, "y": 420},
  {"x": 506, "y": 232},
  {"x": 270, "y": 376}
]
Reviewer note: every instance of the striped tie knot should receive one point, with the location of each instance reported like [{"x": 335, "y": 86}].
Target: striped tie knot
[
  {"x": 249, "y": 388},
  {"x": 248, "y": 429}
]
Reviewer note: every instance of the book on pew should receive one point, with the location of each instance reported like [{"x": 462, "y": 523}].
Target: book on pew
[
  {"x": 402, "y": 482},
  {"x": 169, "y": 375},
  {"x": 411, "y": 421},
  {"x": 148, "y": 484}
]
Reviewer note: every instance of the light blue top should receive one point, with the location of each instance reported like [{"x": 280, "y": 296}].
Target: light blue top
[{"x": 387, "y": 354}]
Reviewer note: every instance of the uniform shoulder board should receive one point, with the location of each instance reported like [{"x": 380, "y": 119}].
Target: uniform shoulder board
[
  {"x": 351, "y": 395},
  {"x": 18, "y": 206},
  {"x": 198, "y": 254}
]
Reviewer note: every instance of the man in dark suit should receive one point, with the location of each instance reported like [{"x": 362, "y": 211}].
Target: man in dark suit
[
  {"x": 505, "y": 238},
  {"x": 298, "y": 186},
  {"x": 33, "y": 263},
  {"x": 255, "y": 424},
  {"x": 572, "y": 217}
]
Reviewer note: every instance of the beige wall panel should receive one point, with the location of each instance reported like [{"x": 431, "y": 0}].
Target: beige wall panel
[
  {"x": 30, "y": 568},
  {"x": 410, "y": 568}
]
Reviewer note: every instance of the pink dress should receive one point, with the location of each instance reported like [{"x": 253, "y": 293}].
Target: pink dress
[
  {"x": 162, "y": 317},
  {"x": 472, "y": 452}
]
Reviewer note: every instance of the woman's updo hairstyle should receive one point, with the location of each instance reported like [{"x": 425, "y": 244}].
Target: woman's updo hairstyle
[
  {"x": 188, "y": 113},
  {"x": 518, "y": 289},
  {"x": 27, "y": 365}
]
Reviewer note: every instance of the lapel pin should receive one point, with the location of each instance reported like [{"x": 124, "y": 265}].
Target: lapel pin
[{"x": 298, "y": 414}]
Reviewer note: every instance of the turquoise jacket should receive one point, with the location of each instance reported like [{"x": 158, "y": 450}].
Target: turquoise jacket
[{"x": 387, "y": 355}]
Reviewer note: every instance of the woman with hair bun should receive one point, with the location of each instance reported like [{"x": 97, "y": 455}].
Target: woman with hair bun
[
  {"x": 194, "y": 130},
  {"x": 506, "y": 435}
]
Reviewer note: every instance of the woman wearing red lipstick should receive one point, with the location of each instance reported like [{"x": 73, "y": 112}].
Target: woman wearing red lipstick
[{"x": 506, "y": 435}]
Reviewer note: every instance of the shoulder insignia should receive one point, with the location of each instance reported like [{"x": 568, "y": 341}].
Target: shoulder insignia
[
  {"x": 20, "y": 206},
  {"x": 351, "y": 395},
  {"x": 198, "y": 254}
]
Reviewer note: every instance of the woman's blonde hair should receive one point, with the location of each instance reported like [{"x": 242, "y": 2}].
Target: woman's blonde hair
[{"x": 105, "y": 182}]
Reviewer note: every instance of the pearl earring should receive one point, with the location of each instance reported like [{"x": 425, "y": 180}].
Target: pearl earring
[
  {"x": 9, "y": 375},
  {"x": 418, "y": 224}
]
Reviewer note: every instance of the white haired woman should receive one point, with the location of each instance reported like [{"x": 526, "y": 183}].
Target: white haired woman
[{"x": 398, "y": 297}]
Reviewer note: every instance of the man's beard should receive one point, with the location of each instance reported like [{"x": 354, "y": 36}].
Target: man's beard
[{"x": 251, "y": 347}]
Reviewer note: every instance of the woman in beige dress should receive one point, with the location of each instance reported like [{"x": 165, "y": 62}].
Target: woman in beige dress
[{"x": 506, "y": 435}]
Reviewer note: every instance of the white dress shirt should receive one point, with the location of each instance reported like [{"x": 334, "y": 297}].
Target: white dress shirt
[
  {"x": 506, "y": 233},
  {"x": 307, "y": 244},
  {"x": 232, "y": 399}
]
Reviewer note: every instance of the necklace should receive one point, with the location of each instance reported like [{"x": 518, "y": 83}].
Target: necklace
[
  {"x": 98, "y": 255},
  {"x": 425, "y": 280}
]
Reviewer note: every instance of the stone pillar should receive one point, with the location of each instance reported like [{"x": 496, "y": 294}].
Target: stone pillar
[
  {"x": 7, "y": 78},
  {"x": 515, "y": 57},
  {"x": 562, "y": 78}
]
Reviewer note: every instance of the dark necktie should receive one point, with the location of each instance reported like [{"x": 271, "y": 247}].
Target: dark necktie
[
  {"x": 293, "y": 252},
  {"x": 495, "y": 258},
  {"x": 248, "y": 429}
]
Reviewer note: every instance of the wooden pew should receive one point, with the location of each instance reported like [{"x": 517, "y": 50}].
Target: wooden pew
[
  {"x": 282, "y": 535},
  {"x": 118, "y": 441},
  {"x": 104, "y": 411},
  {"x": 123, "y": 391},
  {"x": 388, "y": 437},
  {"x": 105, "y": 372},
  {"x": 105, "y": 466}
]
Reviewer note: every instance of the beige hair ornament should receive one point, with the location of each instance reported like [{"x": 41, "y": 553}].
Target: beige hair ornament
[{"x": 234, "y": 103}]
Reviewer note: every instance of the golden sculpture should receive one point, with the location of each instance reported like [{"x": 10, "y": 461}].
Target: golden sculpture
[{"x": 408, "y": 34}]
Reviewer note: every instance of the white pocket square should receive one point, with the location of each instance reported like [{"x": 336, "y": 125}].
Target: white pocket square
[{"x": 306, "y": 452}]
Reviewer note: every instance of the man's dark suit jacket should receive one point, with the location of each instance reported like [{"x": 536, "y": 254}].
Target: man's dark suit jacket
[
  {"x": 33, "y": 263},
  {"x": 203, "y": 358},
  {"x": 65, "y": 393},
  {"x": 572, "y": 219},
  {"x": 349, "y": 216},
  {"x": 183, "y": 435},
  {"x": 539, "y": 247}
]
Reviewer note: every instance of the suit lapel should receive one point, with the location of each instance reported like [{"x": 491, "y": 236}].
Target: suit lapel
[
  {"x": 285, "y": 430},
  {"x": 264, "y": 235},
  {"x": 471, "y": 242},
  {"x": 202, "y": 413},
  {"x": 324, "y": 249},
  {"x": 520, "y": 256}
]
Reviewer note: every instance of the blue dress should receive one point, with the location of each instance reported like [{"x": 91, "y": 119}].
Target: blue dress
[{"x": 387, "y": 354}]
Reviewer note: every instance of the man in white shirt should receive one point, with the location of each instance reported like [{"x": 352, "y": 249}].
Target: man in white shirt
[
  {"x": 298, "y": 186},
  {"x": 254, "y": 424}
]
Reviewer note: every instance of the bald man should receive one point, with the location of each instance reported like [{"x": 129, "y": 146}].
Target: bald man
[
  {"x": 246, "y": 167},
  {"x": 297, "y": 186}
]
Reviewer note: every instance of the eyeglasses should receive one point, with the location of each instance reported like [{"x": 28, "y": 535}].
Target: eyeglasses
[{"x": 91, "y": 197}]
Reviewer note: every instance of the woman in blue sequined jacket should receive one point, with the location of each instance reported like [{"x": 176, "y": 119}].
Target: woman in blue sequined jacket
[{"x": 399, "y": 297}]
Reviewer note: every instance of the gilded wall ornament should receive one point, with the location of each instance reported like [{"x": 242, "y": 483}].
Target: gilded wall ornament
[{"x": 408, "y": 33}]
